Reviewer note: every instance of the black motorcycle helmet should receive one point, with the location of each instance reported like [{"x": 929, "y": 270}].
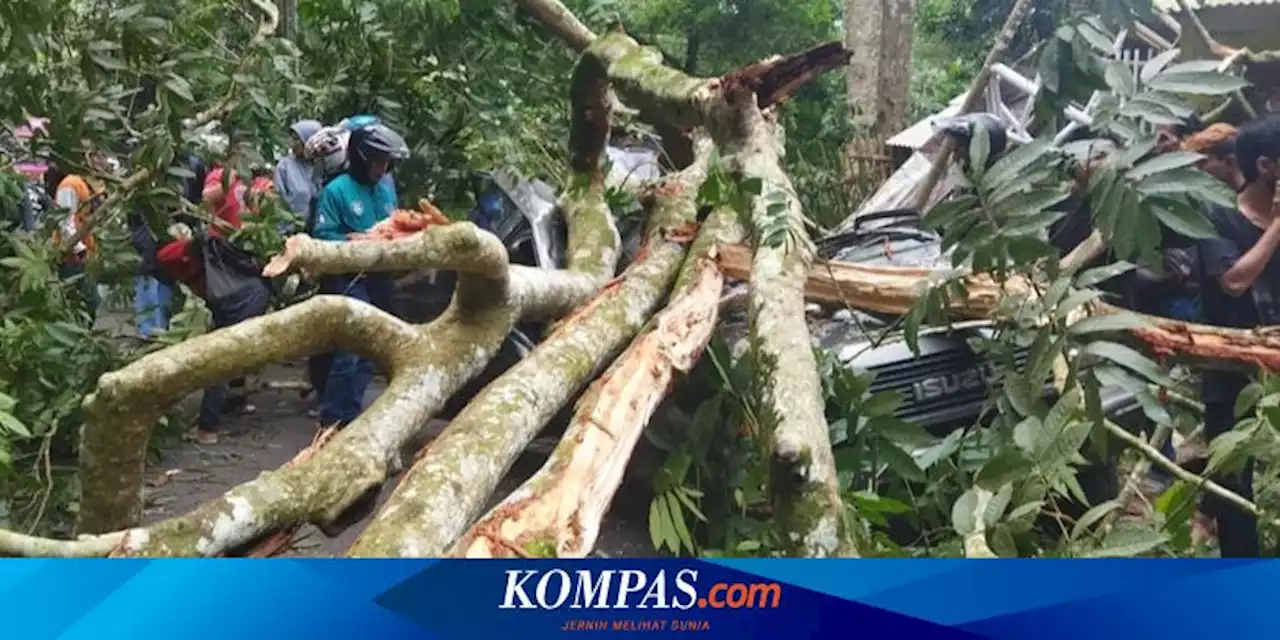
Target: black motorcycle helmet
[
  {"x": 962, "y": 128},
  {"x": 372, "y": 142}
]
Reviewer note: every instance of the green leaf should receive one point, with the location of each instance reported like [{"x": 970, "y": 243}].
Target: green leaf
[
  {"x": 1126, "y": 541},
  {"x": 1027, "y": 511},
  {"x": 180, "y": 87},
  {"x": 1005, "y": 467},
  {"x": 1076, "y": 299},
  {"x": 107, "y": 62},
  {"x": 1184, "y": 182},
  {"x": 1205, "y": 83},
  {"x": 1101, "y": 274},
  {"x": 1130, "y": 359},
  {"x": 1182, "y": 219},
  {"x": 656, "y": 534},
  {"x": 1110, "y": 322},
  {"x": 997, "y": 504},
  {"x": 1092, "y": 516},
  {"x": 1164, "y": 162},
  {"x": 901, "y": 462},
  {"x": 1023, "y": 205},
  {"x": 1119, "y": 77},
  {"x": 942, "y": 214},
  {"x": 677, "y": 518},
  {"x": 1247, "y": 399},
  {"x": 883, "y": 403},
  {"x": 1124, "y": 158},
  {"x": 1174, "y": 104},
  {"x": 1194, "y": 66},
  {"x": 1156, "y": 65},
  {"x": 945, "y": 448},
  {"x": 1096, "y": 38},
  {"x": 1149, "y": 110},
  {"x": 964, "y": 513},
  {"x": 979, "y": 149},
  {"x": 1223, "y": 447},
  {"x": 1016, "y": 162},
  {"x": 686, "y": 498},
  {"x": 14, "y": 425}
]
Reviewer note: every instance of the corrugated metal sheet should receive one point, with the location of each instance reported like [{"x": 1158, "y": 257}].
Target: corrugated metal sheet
[{"x": 1172, "y": 6}]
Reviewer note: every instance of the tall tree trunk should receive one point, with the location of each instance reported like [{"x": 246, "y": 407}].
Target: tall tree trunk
[{"x": 879, "y": 35}]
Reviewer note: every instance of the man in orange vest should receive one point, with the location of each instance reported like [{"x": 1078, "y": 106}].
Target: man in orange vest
[{"x": 80, "y": 196}]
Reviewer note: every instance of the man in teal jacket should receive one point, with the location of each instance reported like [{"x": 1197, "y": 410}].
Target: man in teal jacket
[{"x": 353, "y": 203}]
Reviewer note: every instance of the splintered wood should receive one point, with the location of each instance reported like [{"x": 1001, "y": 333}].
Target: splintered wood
[
  {"x": 881, "y": 289},
  {"x": 894, "y": 289},
  {"x": 561, "y": 507},
  {"x": 403, "y": 223}
]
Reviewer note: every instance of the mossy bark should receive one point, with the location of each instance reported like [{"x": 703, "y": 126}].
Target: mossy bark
[
  {"x": 447, "y": 487},
  {"x": 558, "y": 511},
  {"x": 428, "y": 364}
]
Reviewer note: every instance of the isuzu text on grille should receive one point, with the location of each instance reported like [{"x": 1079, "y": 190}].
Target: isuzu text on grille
[{"x": 631, "y": 589}]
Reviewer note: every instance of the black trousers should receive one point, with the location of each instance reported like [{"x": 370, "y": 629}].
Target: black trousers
[{"x": 1237, "y": 529}]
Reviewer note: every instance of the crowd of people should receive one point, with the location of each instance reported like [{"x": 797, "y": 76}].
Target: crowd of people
[{"x": 336, "y": 179}]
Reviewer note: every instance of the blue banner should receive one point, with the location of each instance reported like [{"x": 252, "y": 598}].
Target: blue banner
[{"x": 741, "y": 599}]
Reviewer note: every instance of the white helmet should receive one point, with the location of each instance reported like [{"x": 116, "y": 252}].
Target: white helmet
[{"x": 328, "y": 148}]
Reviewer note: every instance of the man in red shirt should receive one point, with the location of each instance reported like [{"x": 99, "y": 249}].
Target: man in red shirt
[{"x": 225, "y": 203}]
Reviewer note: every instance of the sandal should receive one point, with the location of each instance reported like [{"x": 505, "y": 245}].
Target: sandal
[{"x": 202, "y": 436}]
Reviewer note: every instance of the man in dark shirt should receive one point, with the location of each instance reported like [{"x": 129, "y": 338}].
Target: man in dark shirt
[{"x": 1241, "y": 273}]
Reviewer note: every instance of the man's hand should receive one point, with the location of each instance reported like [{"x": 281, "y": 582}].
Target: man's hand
[{"x": 1240, "y": 277}]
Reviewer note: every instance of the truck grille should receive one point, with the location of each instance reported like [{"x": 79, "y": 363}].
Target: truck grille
[{"x": 954, "y": 402}]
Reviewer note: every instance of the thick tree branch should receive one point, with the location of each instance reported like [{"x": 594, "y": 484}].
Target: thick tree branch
[
  {"x": 430, "y": 507},
  {"x": 128, "y": 402},
  {"x": 484, "y": 439},
  {"x": 19, "y": 545},
  {"x": 559, "y": 510},
  {"x": 561, "y": 21},
  {"x": 893, "y": 290}
]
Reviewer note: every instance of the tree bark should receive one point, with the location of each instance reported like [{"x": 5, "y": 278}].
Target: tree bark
[
  {"x": 878, "y": 34},
  {"x": 432, "y": 506},
  {"x": 558, "y": 511},
  {"x": 427, "y": 364}
]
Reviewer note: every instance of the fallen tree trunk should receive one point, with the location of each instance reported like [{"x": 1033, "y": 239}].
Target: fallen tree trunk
[
  {"x": 428, "y": 364},
  {"x": 558, "y": 511},
  {"x": 893, "y": 290}
]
